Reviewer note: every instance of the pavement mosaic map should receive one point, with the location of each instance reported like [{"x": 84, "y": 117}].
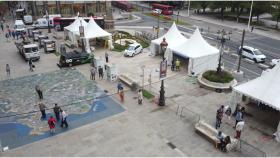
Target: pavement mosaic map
[{"x": 82, "y": 99}]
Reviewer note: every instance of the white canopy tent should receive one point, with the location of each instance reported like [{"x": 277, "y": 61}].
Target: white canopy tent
[
  {"x": 92, "y": 30},
  {"x": 264, "y": 89},
  {"x": 202, "y": 56},
  {"x": 73, "y": 28},
  {"x": 173, "y": 37}
]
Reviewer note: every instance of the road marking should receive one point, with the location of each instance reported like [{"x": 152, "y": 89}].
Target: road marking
[
  {"x": 241, "y": 67},
  {"x": 263, "y": 66},
  {"x": 249, "y": 61}
]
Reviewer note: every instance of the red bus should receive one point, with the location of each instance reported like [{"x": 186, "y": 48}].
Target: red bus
[
  {"x": 165, "y": 9},
  {"x": 123, "y": 5},
  {"x": 60, "y": 23}
]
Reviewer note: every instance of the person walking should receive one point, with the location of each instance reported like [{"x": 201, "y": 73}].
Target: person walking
[
  {"x": 56, "y": 110},
  {"x": 219, "y": 116},
  {"x": 30, "y": 63},
  {"x": 63, "y": 119},
  {"x": 17, "y": 34},
  {"x": 9, "y": 31},
  {"x": 227, "y": 113},
  {"x": 39, "y": 91},
  {"x": 173, "y": 65},
  {"x": 100, "y": 72},
  {"x": 2, "y": 25},
  {"x": 8, "y": 70},
  {"x": 13, "y": 34},
  {"x": 42, "y": 108},
  {"x": 7, "y": 36},
  {"x": 92, "y": 73},
  {"x": 140, "y": 97},
  {"x": 119, "y": 86},
  {"x": 239, "y": 128},
  {"x": 107, "y": 57},
  {"x": 252, "y": 28},
  {"x": 238, "y": 117},
  {"x": 121, "y": 93},
  {"x": 178, "y": 65},
  {"x": 52, "y": 123}
]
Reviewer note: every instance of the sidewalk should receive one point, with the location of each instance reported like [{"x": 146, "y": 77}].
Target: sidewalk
[{"x": 234, "y": 25}]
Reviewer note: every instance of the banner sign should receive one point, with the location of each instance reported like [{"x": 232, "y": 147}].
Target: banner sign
[{"x": 163, "y": 70}]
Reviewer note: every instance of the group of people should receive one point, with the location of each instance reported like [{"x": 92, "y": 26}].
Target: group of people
[
  {"x": 14, "y": 34},
  {"x": 224, "y": 141},
  {"x": 93, "y": 72},
  {"x": 238, "y": 114},
  {"x": 175, "y": 65},
  {"x": 59, "y": 115}
]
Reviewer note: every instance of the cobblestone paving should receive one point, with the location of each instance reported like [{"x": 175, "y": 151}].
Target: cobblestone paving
[{"x": 67, "y": 87}]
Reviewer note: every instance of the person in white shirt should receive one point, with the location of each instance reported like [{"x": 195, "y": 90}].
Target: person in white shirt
[
  {"x": 140, "y": 97},
  {"x": 239, "y": 127},
  {"x": 63, "y": 119}
]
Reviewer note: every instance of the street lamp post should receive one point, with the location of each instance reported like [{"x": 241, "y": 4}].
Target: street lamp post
[
  {"x": 240, "y": 51},
  {"x": 223, "y": 36},
  {"x": 163, "y": 46},
  {"x": 48, "y": 18},
  {"x": 82, "y": 35},
  {"x": 158, "y": 25},
  {"x": 177, "y": 16}
]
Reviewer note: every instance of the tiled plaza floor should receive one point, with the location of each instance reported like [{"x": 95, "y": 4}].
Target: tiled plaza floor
[{"x": 67, "y": 87}]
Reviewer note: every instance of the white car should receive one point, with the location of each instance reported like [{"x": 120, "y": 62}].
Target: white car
[
  {"x": 157, "y": 11},
  {"x": 274, "y": 62},
  {"x": 253, "y": 54},
  {"x": 133, "y": 49},
  {"x": 19, "y": 26}
]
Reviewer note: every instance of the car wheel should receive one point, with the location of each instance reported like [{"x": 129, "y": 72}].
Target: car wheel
[
  {"x": 133, "y": 54},
  {"x": 141, "y": 51},
  {"x": 255, "y": 60}
]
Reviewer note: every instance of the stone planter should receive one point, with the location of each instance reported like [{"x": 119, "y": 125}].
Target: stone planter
[{"x": 218, "y": 87}]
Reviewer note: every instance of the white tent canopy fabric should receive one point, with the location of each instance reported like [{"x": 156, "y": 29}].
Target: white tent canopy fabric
[
  {"x": 202, "y": 55},
  {"x": 173, "y": 37},
  {"x": 265, "y": 88},
  {"x": 73, "y": 28},
  {"x": 92, "y": 30}
]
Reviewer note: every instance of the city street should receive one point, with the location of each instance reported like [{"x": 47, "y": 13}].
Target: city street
[
  {"x": 105, "y": 121},
  {"x": 269, "y": 46}
]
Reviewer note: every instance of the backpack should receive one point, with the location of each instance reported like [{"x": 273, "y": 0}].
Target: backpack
[{"x": 52, "y": 123}]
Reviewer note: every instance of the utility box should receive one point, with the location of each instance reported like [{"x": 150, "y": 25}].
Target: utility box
[
  {"x": 111, "y": 71},
  {"x": 40, "y": 40},
  {"x": 49, "y": 45}
]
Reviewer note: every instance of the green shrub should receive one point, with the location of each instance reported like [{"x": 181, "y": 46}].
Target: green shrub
[
  {"x": 213, "y": 76},
  {"x": 147, "y": 94}
]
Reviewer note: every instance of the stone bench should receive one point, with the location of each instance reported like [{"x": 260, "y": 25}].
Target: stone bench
[
  {"x": 211, "y": 134},
  {"x": 128, "y": 81},
  {"x": 208, "y": 131}
]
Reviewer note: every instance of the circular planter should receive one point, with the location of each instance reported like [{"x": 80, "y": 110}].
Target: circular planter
[{"x": 218, "y": 87}]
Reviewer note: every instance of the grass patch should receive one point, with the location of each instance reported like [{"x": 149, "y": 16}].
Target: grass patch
[
  {"x": 224, "y": 77},
  {"x": 147, "y": 94},
  {"x": 119, "y": 48},
  {"x": 168, "y": 19}
]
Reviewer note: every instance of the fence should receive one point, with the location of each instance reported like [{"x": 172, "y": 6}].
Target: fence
[
  {"x": 247, "y": 149},
  {"x": 145, "y": 35}
]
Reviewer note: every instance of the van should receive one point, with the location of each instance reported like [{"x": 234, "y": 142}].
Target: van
[
  {"x": 40, "y": 23},
  {"x": 19, "y": 26},
  {"x": 53, "y": 16},
  {"x": 27, "y": 19}
]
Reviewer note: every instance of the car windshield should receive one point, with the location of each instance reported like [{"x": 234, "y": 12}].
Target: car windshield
[
  {"x": 19, "y": 26},
  {"x": 130, "y": 48},
  {"x": 257, "y": 52}
]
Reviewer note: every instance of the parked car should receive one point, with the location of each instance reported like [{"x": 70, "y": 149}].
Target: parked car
[
  {"x": 274, "y": 62},
  {"x": 157, "y": 11},
  {"x": 19, "y": 26},
  {"x": 27, "y": 19},
  {"x": 253, "y": 53},
  {"x": 133, "y": 49},
  {"x": 69, "y": 59}
]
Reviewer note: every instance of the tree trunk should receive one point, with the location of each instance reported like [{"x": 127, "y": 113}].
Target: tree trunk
[
  {"x": 58, "y": 9},
  {"x": 222, "y": 13},
  {"x": 278, "y": 17},
  {"x": 204, "y": 9}
]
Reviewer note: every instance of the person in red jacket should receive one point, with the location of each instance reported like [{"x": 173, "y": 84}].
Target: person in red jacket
[{"x": 52, "y": 123}]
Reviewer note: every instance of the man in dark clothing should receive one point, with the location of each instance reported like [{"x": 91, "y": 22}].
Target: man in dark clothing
[
  {"x": 2, "y": 26},
  {"x": 30, "y": 63},
  {"x": 100, "y": 72},
  {"x": 107, "y": 57},
  {"x": 173, "y": 65},
  {"x": 56, "y": 111},
  {"x": 39, "y": 91},
  {"x": 42, "y": 108}
]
